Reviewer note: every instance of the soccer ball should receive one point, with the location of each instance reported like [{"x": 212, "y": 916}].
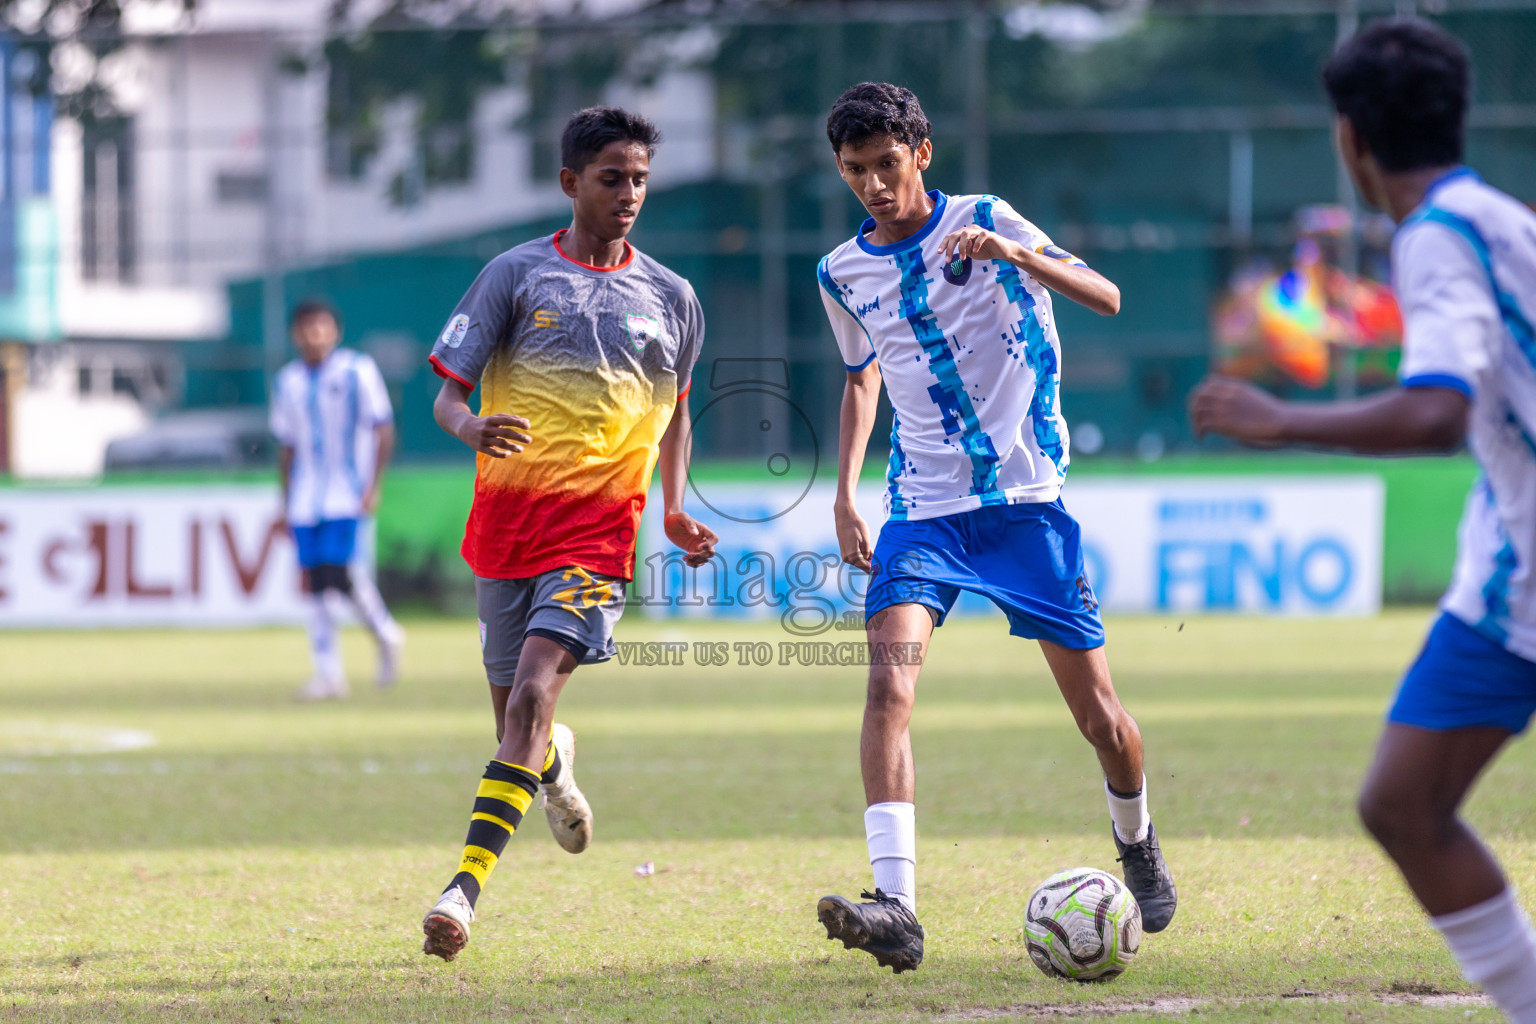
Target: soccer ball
[{"x": 1082, "y": 924}]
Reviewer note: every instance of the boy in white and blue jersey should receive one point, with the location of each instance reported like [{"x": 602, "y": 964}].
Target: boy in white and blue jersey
[
  {"x": 1464, "y": 262},
  {"x": 945, "y": 299},
  {"x": 964, "y": 449},
  {"x": 335, "y": 430},
  {"x": 1464, "y": 270}
]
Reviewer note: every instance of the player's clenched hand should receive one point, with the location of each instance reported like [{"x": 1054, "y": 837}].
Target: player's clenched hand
[
  {"x": 692, "y": 536},
  {"x": 974, "y": 242},
  {"x": 853, "y": 537},
  {"x": 1237, "y": 409},
  {"x": 497, "y": 435}
]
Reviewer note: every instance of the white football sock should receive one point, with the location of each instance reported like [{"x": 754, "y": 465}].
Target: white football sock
[
  {"x": 891, "y": 830},
  {"x": 324, "y": 645},
  {"x": 1496, "y": 948},
  {"x": 370, "y": 606},
  {"x": 1129, "y": 813}
]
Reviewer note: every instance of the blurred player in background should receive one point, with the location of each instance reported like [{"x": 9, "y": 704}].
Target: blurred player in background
[
  {"x": 1464, "y": 269},
  {"x": 336, "y": 431},
  {"x": 944, "y": 299},
  {"x": 583, "y": 349}
]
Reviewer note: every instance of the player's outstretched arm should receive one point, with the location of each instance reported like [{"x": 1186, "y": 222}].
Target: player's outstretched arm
[
  {"x": 1403, "y": 420},
  {"x": 856, "y": 418},
  {"x": 681, "y": 528},
  {"x": 497, "y": 435},
  {"x": 1082, "y": 285}
]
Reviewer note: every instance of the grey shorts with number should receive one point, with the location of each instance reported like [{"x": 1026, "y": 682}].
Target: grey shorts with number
[{"x": 576, "y": 608}]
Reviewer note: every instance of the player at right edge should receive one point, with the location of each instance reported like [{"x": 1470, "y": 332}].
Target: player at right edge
[{"x": 1464, "y": 271}]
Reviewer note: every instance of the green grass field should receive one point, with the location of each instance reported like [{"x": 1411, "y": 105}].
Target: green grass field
[{"x": 267, "y": 862}]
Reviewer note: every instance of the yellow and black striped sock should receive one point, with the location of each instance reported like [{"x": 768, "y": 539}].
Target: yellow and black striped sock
[
  {"x": 551, "y": 765},
  {"x": 503, "y": 797}
]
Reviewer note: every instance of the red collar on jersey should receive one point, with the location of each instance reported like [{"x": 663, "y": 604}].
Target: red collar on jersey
[{"x": 629, "y": 255}]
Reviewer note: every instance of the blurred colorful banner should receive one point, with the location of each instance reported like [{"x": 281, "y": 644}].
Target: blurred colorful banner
[{"x": 1289, "y": 327}]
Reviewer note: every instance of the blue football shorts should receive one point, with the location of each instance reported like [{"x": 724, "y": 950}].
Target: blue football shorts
[
  {"x": 1026, "y": 558},
  {"x": 328, "y": 542},
  {"x": 1464, "y": 680}
]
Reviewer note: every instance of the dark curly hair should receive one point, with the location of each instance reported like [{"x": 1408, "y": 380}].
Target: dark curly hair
[
  {"x": 872, "y": 109},
  {"x": 590, "y": 131},
  {"x": 1404, "y": 84},
  {"x": 314, "y": 306}
]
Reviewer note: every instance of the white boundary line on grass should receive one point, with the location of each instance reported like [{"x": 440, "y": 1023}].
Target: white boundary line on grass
[
  {"x": 45, "y": 739},
  {"x": 1189, "y": 1004}
]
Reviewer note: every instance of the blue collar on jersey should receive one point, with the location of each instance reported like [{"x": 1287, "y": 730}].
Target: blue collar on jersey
[
  {"x": 322, "y": 364},
  {"x": 1454, "y": 174},
  {"x": 939, "y": 199}
]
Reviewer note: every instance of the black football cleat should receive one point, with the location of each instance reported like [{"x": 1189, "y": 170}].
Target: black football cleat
[
  {"x": 885, "y": 928},
  {"x": 1146, "y": 875}
]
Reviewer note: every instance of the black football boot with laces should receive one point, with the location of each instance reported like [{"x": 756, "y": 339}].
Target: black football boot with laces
[
  {"x": 1146, "y": 875},
  {"x": 884, "y": 928}
]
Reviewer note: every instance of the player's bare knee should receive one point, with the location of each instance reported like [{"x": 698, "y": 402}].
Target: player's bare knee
[
  {"x": 1400, "y": 822},
  {"x": 530, "y": 703},
  {"x": 1375, "y": 814},
  {"x": 1379, "y": 808},
  {"x": 891, "y": 691},
  {"x": 1108, "y": 729}
]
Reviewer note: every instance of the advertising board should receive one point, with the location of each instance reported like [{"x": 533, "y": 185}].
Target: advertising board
[
  {"x": 1278, "y": 546},
  {"x": 140, "y": 556}
]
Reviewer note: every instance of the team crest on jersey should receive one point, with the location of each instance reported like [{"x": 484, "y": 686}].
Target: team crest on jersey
[
  {"x": 642, "y": 330},
  {"x": 454, "y": 333},
  {"x": 957, "y": 272}
]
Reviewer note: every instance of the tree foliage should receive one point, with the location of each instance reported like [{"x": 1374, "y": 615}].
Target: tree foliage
[
  {"x": 64, "y": 18},
  {"x": 71, "y": 42},
  {"x": 440, "y": 54},
  {"x": 443, "y": 70}
]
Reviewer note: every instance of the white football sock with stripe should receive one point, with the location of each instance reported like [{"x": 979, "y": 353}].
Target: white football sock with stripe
[
  {"x": 1496, "y": 948},
  {"x": 324, "y": 644},
  {"x": 891, "y": 831},
  {"x": 1129, "y": 813},
  {"x": 370, "y": 606}
]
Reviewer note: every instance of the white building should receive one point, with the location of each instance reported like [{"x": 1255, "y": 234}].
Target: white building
[{"x": 222, "y": 167}]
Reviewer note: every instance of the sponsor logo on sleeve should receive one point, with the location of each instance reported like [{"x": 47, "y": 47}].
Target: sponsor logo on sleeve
[
  {"x": 453, "y": 334},
  {"x": 1056, "y": 252}
]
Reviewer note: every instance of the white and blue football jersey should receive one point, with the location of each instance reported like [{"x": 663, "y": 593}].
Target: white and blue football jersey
[
  {"x": 1464, "y": 270},
  {"x": 328, "y": 414},
  {"x": 969, "y": 355}
]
